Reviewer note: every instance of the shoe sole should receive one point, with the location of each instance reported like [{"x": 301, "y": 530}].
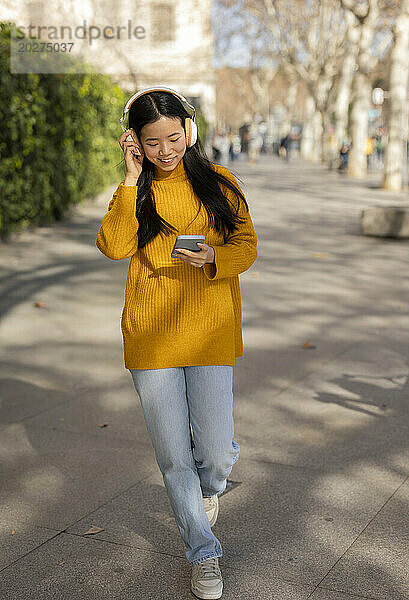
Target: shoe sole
[{"x": 207, "y": 595}]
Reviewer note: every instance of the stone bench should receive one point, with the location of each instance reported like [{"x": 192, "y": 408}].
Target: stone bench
[{"x": 388, "y": 221}]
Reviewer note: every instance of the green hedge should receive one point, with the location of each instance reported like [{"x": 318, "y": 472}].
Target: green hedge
[
  {"x": 58, "y": 141},
  {"x": 202, "y": 126}
]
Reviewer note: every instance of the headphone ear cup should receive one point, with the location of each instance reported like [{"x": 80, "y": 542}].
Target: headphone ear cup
[
  {"x": 191, "y": 132},
  {"x": 188, "y": 132},
  {"x": 193, "y": 137}
]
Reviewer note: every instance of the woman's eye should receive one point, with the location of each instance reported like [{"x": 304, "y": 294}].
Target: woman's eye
[{"x": 154, "y": 145}]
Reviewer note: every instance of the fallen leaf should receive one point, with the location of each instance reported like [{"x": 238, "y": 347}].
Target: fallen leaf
[
  {"x": 308, "y": 345},
  {"x": 39, "y": 304},
  {"x": 13, "y": 531},
  {"x": 103, "y": 424},
  {"x": 93, "y": 529}
]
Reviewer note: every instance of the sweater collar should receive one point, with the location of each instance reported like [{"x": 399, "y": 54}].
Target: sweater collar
[{"x": 177, "y": 173}]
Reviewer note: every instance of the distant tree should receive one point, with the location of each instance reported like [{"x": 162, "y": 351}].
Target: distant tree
[
  {"x": 372, "y": 24},
  {"x": 396, "y": 166},
  {"x": 307, "y": 38}
]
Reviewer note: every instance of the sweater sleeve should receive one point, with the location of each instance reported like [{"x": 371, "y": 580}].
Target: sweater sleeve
[
  {"x": 240, "y": 251},
  {"x": 118, "y": 235}
]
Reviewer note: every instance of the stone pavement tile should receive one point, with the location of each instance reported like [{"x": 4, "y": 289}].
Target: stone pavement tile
[
  {"x": 25, "y": 538},
  {"x": 70, "y": 567},
  {"x": 257, "y": 583},
  {"x": 141, "y": 517},
  {"x": 274, "y": 367},
  {"x": 53, "y": 478},
  {"x": 352, "y": 409},
  {"x": 297, "y": 522},
  {"x": 324, "y": 594},
  {"x": 69, "y": 403},
  {"x": 117, "y": 405},
  {"x": 73, "y": 343},
  {"x": 377, "y": 563},
  {"x": 22, "y": 397}
]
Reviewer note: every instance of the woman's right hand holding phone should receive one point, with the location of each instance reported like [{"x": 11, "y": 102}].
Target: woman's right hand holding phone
[{"x": 130, "y": 144}]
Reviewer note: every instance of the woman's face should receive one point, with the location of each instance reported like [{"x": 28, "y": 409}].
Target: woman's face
[{"x": 164, "y": 139}]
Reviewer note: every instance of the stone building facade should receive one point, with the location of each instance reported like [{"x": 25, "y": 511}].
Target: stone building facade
[{"x": 174, "y": 47}]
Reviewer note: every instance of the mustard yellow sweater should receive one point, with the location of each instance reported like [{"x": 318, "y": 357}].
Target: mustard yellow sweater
[{"x": 176, "y": 314}]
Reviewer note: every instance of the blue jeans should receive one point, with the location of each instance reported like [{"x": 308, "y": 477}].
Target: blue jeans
[{"x": 189, "y": 417}]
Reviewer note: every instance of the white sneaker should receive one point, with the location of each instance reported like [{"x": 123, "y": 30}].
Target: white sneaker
[
  {"x": 212, "y": 508},
  {"x": 206, "y": 581}
]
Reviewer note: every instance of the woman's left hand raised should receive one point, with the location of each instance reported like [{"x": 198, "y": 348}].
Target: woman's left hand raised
[{"x": 196, "y": 259}]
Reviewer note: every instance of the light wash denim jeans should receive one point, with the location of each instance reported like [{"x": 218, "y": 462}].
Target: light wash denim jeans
[{"x": 189, "y": 416}]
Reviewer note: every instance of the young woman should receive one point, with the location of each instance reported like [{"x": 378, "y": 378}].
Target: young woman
[{"x": 181, "y": 321}]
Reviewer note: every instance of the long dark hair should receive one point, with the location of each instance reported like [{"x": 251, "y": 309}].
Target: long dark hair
[{"x": 205, "y": 181}]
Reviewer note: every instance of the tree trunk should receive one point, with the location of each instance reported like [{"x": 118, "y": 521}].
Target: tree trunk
[
  {"x": 359, "y": 125},
  {"x": 318, "y": 130},
  {"x": 396, "y": 151},
  {"x": 343, "y": 99},
  {"x": 361, "y": 91},
  {"x": 345, "y": 82},
  {"x": 307, "y": 138},
  {"x": 289, "y": 106},
  {"x": 326, "y": 150}
]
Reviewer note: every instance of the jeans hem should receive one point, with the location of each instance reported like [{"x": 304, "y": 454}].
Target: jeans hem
[
  {"x": 196, "y": 562},
  {"x": 216, "y": 494}
]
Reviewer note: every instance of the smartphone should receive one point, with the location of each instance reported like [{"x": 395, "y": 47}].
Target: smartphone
[
  {"x": 131, "y": 137},
  {"x": 188, "y": 242}
]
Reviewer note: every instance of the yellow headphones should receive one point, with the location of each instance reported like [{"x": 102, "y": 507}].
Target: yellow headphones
[{"x": 190, "y": 125}]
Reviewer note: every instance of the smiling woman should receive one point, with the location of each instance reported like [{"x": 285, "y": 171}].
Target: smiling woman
[{"x": 181, "y": 324}]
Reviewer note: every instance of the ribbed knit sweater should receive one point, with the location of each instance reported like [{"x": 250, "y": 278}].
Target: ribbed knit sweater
[{"x": 176, "y": 314}]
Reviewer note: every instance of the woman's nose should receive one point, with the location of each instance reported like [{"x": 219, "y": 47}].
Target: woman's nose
[{"x": 164, "y": 149}]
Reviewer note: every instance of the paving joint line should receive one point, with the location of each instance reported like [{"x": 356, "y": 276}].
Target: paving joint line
[
  {"x": 109, "y": 500},
  {"x": 88, "y": 433},
  {"x": 41, "y": 412},
  {"x": 29, "y": 552},
  {"x": 125, "y": 545},
  {"x": 360, "y": 533},
  {"x": 60, "y": 531}
]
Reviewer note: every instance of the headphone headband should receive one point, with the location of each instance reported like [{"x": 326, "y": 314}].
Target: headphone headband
[
  {"x": 190, "y": 125},
  {"x": 156, "y": 89}
]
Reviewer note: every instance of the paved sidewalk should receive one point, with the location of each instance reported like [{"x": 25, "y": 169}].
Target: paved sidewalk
[{"x": 320, "y": 509}]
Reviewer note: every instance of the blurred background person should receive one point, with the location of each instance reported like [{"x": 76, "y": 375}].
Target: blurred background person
[
  {"x": 344, "y": 156},
  {"x": 369, "y": 148},
  {"x": 221, "y": 146},
  {"x": 255, "y": 143},
  {"x": 285, "y": 146}
]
